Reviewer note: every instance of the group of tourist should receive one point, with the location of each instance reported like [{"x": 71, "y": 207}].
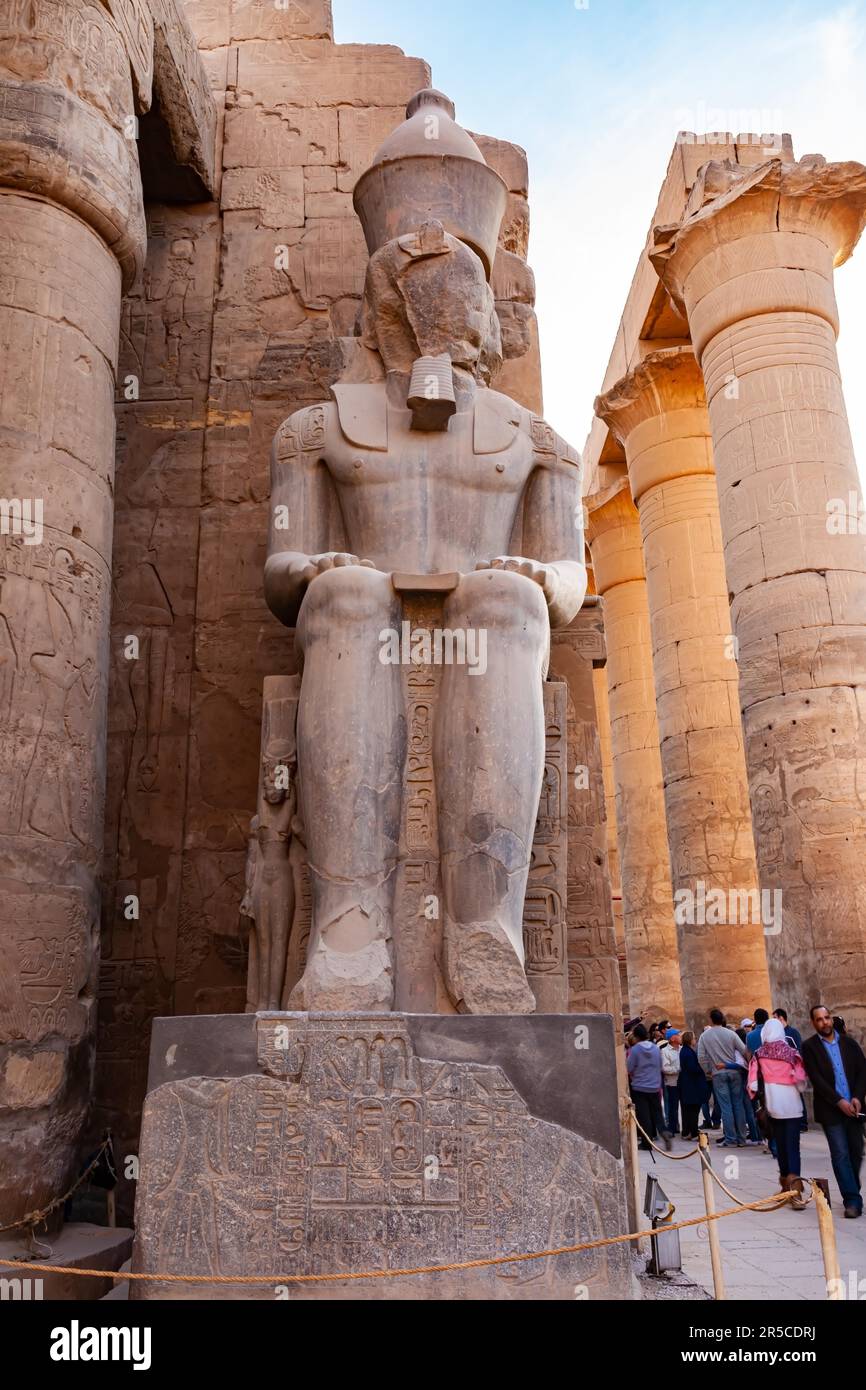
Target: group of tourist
[{"x": 749, "y": 1081}]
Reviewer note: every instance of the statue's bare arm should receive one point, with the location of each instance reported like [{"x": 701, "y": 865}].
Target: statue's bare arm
[
  {"x": 303, "y": 514},
  {"x": 552, "y": 542}
]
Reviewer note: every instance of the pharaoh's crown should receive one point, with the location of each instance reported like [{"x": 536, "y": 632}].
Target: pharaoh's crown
[{"x": 429, "y": 167}]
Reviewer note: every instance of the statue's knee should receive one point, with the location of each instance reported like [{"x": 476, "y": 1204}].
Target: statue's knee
[
  {"x": 350, "y": 597},
  {"x": 500, "y": 599}
]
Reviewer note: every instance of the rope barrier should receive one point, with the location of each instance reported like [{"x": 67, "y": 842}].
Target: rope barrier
[
  {"x": 779, "y": 1199},
  {"x": 706, "y": 1164},
  {"x": 675, "y": 1158},
  {"x": 774, "y": 1202}
]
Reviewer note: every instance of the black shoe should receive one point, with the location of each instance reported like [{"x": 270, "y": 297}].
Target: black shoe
[{"x": 853, "y": 1212}]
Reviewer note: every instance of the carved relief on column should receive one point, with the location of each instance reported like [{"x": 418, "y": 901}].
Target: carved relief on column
[
  {"x": 658, "y": 412},
  {"x": 71, "y": 227},
  {"x": 544, "y": 906},
  {"x": 648, "y": 913},
  {"x": 752, "y": 265},
  {"x": 593, "y": 966},
  {"x": 602, "y": 709},
  {"x": 67, "y": 115}
]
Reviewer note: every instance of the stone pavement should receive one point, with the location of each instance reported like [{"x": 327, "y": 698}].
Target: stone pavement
[{"x": 774, "y": 1255}]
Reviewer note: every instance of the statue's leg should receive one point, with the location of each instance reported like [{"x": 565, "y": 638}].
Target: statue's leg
[
  {"x": 264, "y": 927},
  {"x": 253, "y": 982},
  {"x": 489, "y": 751},
  {"x": 277, "y": 910},
  {"x": 351, "y": 737}
]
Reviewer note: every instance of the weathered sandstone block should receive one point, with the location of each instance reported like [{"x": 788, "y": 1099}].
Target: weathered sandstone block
[{"x": 285, "y": 1143}]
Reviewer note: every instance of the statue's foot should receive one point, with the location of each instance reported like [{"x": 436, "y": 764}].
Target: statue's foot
[
  {"x": 346, "y": 981},
  {"x": 483, "y": 973}
]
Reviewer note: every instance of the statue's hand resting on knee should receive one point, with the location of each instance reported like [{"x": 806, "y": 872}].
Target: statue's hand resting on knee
[{"x": 563, "y": 584}]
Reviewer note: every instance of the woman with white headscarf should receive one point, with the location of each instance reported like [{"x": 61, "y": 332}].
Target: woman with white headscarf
[{"x": 777, "y": 1077}]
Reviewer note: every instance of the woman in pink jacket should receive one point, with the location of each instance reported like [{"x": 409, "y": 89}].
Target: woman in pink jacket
[{"x": 777, "y": 1076}]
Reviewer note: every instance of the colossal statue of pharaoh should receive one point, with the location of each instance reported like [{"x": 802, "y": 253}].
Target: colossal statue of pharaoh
[{"x": 418, "y": 478}]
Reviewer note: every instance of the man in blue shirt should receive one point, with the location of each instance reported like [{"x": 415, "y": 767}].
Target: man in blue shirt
[
  {"x": 753, "y": 1039},
  {"x": 793, "y": 1033},
  {"x": 836, "y": 1067},
  {"x": 644, "y": 1066}
]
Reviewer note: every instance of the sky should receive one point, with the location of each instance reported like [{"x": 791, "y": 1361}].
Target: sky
[{"x": 595, "y": 93}]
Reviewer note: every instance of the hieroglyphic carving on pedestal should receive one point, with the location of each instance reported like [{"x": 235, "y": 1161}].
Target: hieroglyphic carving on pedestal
[{"x": 352, "y": 1152}]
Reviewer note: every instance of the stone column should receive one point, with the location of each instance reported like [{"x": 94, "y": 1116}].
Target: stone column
[
  {"x": 659, "y": 414},
  {"x": 71, "y": 230},
  {"x": 647, "y": 896},
  {"x": 752, "y": 264}
]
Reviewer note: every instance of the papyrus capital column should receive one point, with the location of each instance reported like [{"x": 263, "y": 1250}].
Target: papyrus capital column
[
  {"x": 647, "y": 896},
  {"x": 71, "y": 232},
  {"x": 752, "y": 264},
  {"x": 658, "y": 412}
]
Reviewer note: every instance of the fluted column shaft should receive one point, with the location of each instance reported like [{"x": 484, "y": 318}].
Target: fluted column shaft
[
  {"x": 659, "y": 414},
  {"x": 71, "y": 228},
  {"x": 648, "y": 918},
  {"x": 752, "y": 264}
]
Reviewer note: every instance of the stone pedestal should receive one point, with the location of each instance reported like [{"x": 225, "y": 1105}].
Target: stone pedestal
[{"x": 291, "y": 1144}]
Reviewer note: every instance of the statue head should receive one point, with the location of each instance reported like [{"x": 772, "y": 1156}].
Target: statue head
[
  {"x": 278, "y": 777},
  {"x": 430, "y": 167},
  {"x": 279, "y": 750},
  {"x": 427, "y": 300},
  {"x": 431, "y": 209}
]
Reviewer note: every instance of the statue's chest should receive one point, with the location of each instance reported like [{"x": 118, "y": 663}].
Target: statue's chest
[{"x": 434, "y": 463}]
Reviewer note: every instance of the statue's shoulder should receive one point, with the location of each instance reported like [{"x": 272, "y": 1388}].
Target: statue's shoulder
[
  {"x": 304, "y": 431},
  {"x": 362, "y": 413},
  {"x": 498, "y": 421},
  {"x": 547, "y": 444}
]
